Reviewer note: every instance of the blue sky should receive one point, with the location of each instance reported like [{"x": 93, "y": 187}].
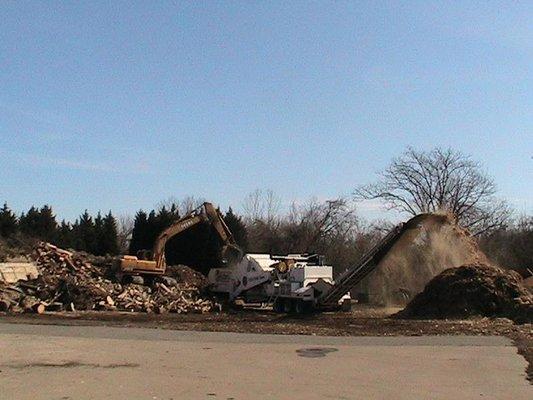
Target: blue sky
[{"x": 119, "y": 105}]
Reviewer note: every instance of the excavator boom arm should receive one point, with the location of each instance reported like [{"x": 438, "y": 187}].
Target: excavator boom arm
[
  {"x": 175, "y": 229},
  {"x": 156, "y": 264},
  {"x": 205, "y": 213},
  {"x": 217, "y": 220}
]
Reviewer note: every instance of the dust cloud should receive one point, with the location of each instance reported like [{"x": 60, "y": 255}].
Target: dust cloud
[{"x": 429, "y": 244}]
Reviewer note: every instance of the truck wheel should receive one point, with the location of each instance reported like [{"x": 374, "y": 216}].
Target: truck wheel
[
  {"x": 278, "y": 306},
  {"x": 302, "y": 307},
  {"x": 288, "y": 306},
  {"x": 346, "y": 305}
]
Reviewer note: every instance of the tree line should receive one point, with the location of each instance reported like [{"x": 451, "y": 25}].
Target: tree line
[
  {"x": 414, "y": 182},
  {"x": 97, "y": 235}
]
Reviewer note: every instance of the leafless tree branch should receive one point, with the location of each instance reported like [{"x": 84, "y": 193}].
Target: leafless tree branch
[{"x": 439, "y": 180}]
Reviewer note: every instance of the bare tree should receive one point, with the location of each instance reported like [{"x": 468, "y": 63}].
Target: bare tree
[
  {"x": 124, "y": 231},
  {"x": 316, "y": 222},
  {"x": 440, "y": 180},
  {"x": 331, "y": 228},
  {"x": 252, "y": 205},
  {"x": 190, "y": 203},
  {"x": 183, "y": 207},
  {"x": 170, "y": 202},
  {"x": 511, "y": 247},
  {"x": 262, "y": 205},
  {"x": 272, "y": 205}
]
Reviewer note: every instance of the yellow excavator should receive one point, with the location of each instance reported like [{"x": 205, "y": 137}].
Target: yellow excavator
[{"x": 153, "y": 262}]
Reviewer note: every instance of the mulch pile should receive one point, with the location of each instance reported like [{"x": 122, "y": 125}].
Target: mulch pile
[
  {"x": 473, "y": 290},
  {"x": 70, "y": 281}
]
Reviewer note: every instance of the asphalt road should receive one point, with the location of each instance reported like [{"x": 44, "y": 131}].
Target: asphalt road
[{"x": 74, "y": 362}]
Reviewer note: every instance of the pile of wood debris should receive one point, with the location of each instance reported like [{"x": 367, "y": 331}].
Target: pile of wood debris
[{"x": 69, "y": 281}]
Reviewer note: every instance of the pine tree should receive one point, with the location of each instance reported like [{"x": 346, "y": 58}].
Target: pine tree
[
  {"x": 47, "y": 224},
  {"x": 139, "y": 233},
  {"x": 152, "y": 230},
  {"x": 174, "y": 210},
  {"x": 8, "y": 222},
  {"x": 99, "y": 239},
  {"x": 84, "y": 233},
  {"x": 164, "y": 219},
  {"x": 237, "y": 227},
  {"x": 28, "y": 222},
  {"x": 64, "y": 235},
  {"x": 40, "y": 224},
  {"x": 110, "y": 235}
]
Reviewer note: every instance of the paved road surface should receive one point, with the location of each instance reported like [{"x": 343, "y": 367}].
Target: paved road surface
[{"x": 61, "y": 362}]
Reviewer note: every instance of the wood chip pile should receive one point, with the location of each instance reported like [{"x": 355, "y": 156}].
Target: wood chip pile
[
  {"x": 69, "y": 282},
  {"x": 473, "y": 290}
]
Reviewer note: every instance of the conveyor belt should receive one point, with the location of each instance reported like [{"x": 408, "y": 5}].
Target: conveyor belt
[{"x": 352, "y": 276}]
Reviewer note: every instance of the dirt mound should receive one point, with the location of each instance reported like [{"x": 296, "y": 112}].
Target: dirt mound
[
  {"x": 429, "y": 244},
  {"x": 473, "y": 290},
  {"x": 69, "y": 281}
]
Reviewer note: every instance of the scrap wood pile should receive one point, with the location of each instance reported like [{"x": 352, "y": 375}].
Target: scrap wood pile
[
  {"x": 473, "y": 290},
  {"x": 68, "y": 281}
]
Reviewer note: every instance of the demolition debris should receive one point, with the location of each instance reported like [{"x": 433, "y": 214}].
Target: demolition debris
[{"x": 69, "y": 281}]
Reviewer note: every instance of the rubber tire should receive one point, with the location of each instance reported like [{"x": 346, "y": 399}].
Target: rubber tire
[
  {"x": 302, "y": 307},
  {"x": 288, "y": 306},
  {"x": 277, "y": 307},
  {"x": 346, "y": 306}
]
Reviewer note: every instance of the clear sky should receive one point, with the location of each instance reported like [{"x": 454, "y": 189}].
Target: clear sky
[{"x": 119, "y": 105}]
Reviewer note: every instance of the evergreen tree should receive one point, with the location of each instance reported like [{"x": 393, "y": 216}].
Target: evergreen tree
[
  {"x": 152, "y": 230},
  {"x": 147, "y": 228},
  {"x": 48, "y": 224},
  {"x": 84, "y": 233},
  {"x": 174, "y": 210},
  {"x": 28, "y": 222},
  {"x": 139, "y": 233},
  {"x": 40, "y": 224},
  {"x": 164, "y": 219},
  {"x": 75, "y": 240},
  {"x": 110, "y": 235},
  {"x": 8, "y": 222},
  {"x": 64, "y": 235},
  {"x": 237, "y": 227},
  {"x": 99, "y": 239}
]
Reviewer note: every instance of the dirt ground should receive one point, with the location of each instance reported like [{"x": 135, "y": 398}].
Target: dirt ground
[{"x": 363, "y": 321}]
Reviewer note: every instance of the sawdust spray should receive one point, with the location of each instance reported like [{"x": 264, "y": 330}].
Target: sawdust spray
[{"x": 430, "y": 244}]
